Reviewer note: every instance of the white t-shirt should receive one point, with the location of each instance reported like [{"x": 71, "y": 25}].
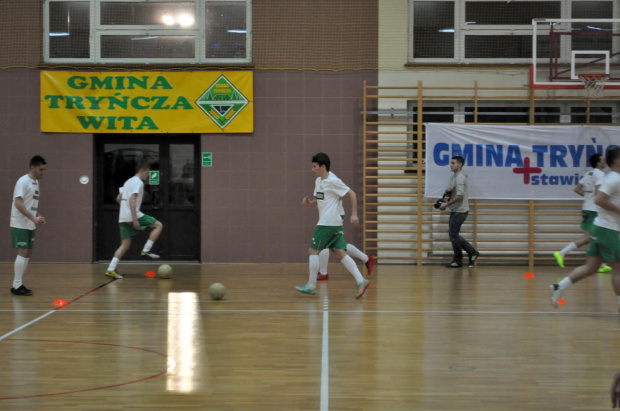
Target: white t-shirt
[
  {"x": 328, "y": 193},
  {"x": 611, "y": 187},
  {"x": 28, "y": 190},
  {"x": 589, "y": 181},
  {"x": 132, "y": 186},
  {"x": 340, "y": 206}
]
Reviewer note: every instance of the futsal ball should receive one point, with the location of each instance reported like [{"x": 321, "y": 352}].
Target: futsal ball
[
  {"x": 164, "y": 271},
  {"x": 217, "y": 291}
]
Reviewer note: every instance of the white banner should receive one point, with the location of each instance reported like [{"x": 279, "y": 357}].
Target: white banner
[{"x": 515, "y": 162}]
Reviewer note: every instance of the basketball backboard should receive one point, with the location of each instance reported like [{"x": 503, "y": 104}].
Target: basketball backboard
[{"x": 562, "y": 49}]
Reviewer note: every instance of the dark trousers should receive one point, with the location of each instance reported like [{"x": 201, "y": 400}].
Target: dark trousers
[{"x": 458, "y": 243}]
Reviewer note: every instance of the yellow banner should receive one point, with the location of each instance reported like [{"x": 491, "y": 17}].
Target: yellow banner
[{"x": 140, "y": 102}]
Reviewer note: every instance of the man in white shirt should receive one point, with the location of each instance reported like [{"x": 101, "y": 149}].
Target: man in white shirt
[
  {"x": 587, "y": 188},
  {"x": 25, "y": 218},
  {"x": 328, "y": 192},
  {"x": 131, "y": 220},
  {"x": 353, "y": 251},
  {"x": 604, "y": 239}
]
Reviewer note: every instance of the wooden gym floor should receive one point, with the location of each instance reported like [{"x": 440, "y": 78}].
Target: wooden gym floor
[{"x": 427, "y": 339}]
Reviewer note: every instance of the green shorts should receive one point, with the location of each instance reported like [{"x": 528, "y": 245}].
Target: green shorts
[
  {"x": 22, "y": 238},
  {"x": 587, "y": 221},
  {"x": 128, "y": 231},
  {"x": 604, "y": 243},
  {"x": 328, "y": 237}
]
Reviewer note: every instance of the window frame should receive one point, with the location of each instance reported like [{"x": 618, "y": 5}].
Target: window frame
[
  {"x": 98, "y": 30},
  {"x": 461, "y": 30}
]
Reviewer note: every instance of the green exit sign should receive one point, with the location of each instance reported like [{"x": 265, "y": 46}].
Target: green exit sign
[
  {"x": 154, "y": 178},
  {"x": 207, "y": 159}
]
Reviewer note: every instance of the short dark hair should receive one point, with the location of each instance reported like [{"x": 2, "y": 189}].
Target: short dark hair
[
  {"x": 321, "y": 159},
  {"x": 459, "y": 159},
  {"x": 594, "y": 159},
  {"x": 37, "y": 161},
  {"x": 611, "y": 156},
  {"x": 142, "y": 165}
]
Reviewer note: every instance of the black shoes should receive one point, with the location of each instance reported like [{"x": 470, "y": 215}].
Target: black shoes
[
  {"x": 473, "y": 258},
  {"x": 21, "y": 290},
  {"x": 455, "y": 264}
]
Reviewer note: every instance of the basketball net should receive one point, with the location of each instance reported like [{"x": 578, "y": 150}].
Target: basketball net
[{"x": 594, "y": 83}]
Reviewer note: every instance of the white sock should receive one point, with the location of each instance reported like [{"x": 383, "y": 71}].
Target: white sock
[
  {"x": 314, "y": 271},
  {"x": 323, "y": 260},
  {"x": 570, "y": 247},
  {"x": 350, "y": 265},
  {"x": 565, "y": 283},
  {"x": 113, "y": 264},
  {"x": 21, "y": 263},
  {"x": 353, "y": 251},
  {"x": 147, "y": 246}
]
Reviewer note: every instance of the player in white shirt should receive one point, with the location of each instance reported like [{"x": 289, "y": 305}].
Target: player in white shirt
[
  {"x": 587, "y": 188},
  {"x": 25, "y": 218},
  {"x": 352, "y": 250},
  {"x": 131, "y": 220},
  {"x": 328, "y": 192},
  {"x": 604, "y": 236}
]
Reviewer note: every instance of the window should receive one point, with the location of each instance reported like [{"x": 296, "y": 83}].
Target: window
[
  {"x": 147, "y": 31},
  {"x": 487, "y": 31},
  {"x": 597, "y": 115}
]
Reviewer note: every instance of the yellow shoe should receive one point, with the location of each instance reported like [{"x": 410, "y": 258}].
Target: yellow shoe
[
  {"x": 604, "y": 269},
  {"x": 559, "y": 258}
]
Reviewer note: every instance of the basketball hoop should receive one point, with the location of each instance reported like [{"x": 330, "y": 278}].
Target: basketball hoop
[{"x": 594, "y": 83}]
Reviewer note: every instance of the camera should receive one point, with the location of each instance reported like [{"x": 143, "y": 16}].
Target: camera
[{"x": 444, "y": 199}]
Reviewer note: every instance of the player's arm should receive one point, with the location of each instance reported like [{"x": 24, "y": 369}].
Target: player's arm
[
  {"x": 353, "y": 197},
  {"x": 579, "y": 189},
  {"x": 19, "y": 204},
  {"x": 134, "y": 213},
  {"x": 309, "y": 202},
  {"x": 602, "y": 200},
  {"x": 119, "y": 198}
]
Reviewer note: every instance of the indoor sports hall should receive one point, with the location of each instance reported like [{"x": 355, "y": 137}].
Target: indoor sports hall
[{"x": 225, "y": 103}]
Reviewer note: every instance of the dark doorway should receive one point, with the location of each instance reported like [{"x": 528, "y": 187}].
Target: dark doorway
[{"x": 174, "y": 199}]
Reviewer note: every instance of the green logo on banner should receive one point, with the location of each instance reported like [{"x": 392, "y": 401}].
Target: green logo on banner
[{"x": 222, "y": 102}]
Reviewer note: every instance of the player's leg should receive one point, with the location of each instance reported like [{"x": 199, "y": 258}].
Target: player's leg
[
  {"x": 127, "y": 231},
  {"x": 313, "y": 271},
  {"x": 23, "y": 240},
  {"x": 118, "y": 256},
  {"x": 604, "y": 246},
  {"x": 338, "y": 244},
  {"x": 318, "y": 243},
  {"x": 587, "y": 222},
  {"x": 355, "y": 252},
  {"x": 615, "y": 280},
  {"x": 590, "y": 267},
  {"x": 573, "y": 245},
  {"x": 323, "y": 262},
  {"x": 156, "y": 229}
]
